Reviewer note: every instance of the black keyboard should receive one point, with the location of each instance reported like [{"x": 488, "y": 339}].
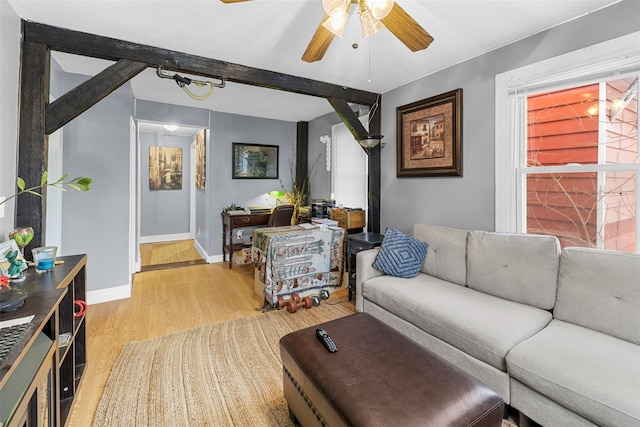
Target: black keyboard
[{"x": 10, "y": 337}]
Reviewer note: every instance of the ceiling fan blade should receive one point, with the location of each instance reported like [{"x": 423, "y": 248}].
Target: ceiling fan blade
[
  {"x": 406, "y": 29},
  {"x": 319, "y": 43},
  {"x": 232, "y": 1}
]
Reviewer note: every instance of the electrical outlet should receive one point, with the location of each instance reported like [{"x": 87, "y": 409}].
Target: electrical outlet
[{"x": 239, "y": 233}]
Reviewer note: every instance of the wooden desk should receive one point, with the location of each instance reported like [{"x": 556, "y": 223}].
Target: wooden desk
[{"x": 231, "y": 222}]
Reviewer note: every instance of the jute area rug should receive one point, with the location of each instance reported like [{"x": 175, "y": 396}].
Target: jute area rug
[{"x": 225, "y": 374}]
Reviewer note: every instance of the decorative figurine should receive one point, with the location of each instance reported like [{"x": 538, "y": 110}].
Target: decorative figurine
[{"x": 15, "y": 267}]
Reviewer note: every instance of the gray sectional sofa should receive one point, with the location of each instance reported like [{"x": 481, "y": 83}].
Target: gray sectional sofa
[{"x": 555, "y": 333}]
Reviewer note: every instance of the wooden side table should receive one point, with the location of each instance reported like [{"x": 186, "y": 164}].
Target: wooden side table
[{"x": 356, "y": 243}]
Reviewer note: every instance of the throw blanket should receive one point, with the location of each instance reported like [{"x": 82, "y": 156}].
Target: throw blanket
[{"x": 296, "y": 259}]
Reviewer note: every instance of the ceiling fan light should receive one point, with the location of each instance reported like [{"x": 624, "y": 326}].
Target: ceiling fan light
[
  {"x": 370, "y": 25},
  {"x": 380, "y": 8},
  {"x": 337, "y": 23},
  {"x": 332, "y": 6}
]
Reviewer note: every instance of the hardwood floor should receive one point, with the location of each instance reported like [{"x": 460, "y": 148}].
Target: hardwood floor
[
  {"x": 162, "y": 302},
  {"x": 163, "y": 255}
]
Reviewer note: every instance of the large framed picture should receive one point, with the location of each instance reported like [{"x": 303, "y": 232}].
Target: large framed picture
[
  {"x": 429, "y": 140},
  {"x": 255, "y": 161},
  {"x": 165, "y": 168}
]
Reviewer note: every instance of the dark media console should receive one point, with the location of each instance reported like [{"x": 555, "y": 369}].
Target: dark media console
[{"x": 40, "y": 377}]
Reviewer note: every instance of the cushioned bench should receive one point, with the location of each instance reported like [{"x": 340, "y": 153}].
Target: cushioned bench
[{"x": 378, "y": 377}]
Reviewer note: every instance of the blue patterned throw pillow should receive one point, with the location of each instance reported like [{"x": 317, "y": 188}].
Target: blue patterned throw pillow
[{"x": 400, "y": 255}]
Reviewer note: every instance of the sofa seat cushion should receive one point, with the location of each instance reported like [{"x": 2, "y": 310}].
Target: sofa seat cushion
[
  {"x": 590, "y": 373},
  {"x": 481, "y": 325}
]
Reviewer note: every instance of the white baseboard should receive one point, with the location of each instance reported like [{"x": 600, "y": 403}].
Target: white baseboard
[
  {"x": 200, "y": 249},
  {"x": 214, "y": 258},
  {"x": 165, "y": 238},
  {"x": 109, "y": 294},
  {"x": 209, "y": 258}
]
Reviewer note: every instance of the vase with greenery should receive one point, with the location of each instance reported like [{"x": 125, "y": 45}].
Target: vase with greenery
[
  {"x": 23, "y": 235},
  {"x": 300, "y": 192}
]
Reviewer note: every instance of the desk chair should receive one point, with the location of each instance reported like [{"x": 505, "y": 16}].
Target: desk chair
[{"x": 280, "y": 216}]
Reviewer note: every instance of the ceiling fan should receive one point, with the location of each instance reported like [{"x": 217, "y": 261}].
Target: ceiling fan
[{"x": 374, "y": 16}]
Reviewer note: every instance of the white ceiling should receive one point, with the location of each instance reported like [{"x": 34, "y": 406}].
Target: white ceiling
[{"x": 273, "y": 34}]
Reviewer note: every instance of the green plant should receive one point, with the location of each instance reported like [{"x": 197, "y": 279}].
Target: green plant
[
  {"x": 80, "y": 184},
  {"x": 300, "y": 191}
]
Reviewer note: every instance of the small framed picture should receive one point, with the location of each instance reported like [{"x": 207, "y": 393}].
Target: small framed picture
[{"x": 255, "y": 161}]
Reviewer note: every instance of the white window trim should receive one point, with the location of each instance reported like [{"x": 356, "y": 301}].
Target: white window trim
[{"x": 595, "y": 61}]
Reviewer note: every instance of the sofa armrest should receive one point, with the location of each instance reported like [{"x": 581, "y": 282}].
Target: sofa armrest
[{"x": 364, "y": 272}]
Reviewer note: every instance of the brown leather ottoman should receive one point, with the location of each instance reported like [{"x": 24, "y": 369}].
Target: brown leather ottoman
[{"x": 378, "y": 377}]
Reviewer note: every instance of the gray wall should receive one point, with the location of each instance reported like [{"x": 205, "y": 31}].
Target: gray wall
[
  {"x": 97, "y": 145},
  {"x": 9, "y": 71},
  {"x": 167, "y": 113},
  {"x": 468, "y": 201},
  {"x": 164, "y": 211},
  {"x": 222, "y": 190}
]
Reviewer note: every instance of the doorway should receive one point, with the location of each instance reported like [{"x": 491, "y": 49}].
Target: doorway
[{"x": 165, "y": 196}]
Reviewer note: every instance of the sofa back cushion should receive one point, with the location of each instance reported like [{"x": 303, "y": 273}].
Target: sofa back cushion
[
  {"x": 600, "y": 290},
  {"x": 446, "y": 257},
  {"x": 518, "y": 267}
]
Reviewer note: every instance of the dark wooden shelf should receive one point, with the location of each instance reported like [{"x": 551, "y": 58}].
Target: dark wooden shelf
[{"x": 50, "y": 300}]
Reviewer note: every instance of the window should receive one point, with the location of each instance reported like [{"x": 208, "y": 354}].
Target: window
[
  {"x": 349, "y": 171},
  {"x": 572, "y": 167}
]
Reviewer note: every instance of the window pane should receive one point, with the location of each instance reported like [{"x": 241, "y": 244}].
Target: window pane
[
  {"x": 564, "y": 205},
  {"x": 619, "y": 214},
  {"x": 563, "y": 127},
  {"x": 569, "y": 206},
  {"x": 566, "y": 126}
]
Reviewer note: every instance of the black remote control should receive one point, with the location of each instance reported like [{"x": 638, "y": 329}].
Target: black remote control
[{"x": 326, "y": 340}]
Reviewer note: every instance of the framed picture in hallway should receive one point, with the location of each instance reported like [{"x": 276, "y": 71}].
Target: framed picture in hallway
[
  {"x": 429, "y": 140},
  {"x": 201, "y": 160},
  {"x": 165, "y": 168},
  {"x": 255, "y": 161}
]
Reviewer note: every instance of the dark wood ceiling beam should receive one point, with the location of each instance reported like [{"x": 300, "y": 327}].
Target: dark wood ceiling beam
[
  {"x": 349, "y": 118},
  {"x": 80, "y": 43},
  {"x": 84, "y": 96}
]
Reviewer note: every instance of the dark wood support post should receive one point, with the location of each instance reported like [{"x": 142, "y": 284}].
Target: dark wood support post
[
  {"x": 33, "y": 142},
  {"x": 375, "y": 169},
  {"x": 302, "y": 152}
]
